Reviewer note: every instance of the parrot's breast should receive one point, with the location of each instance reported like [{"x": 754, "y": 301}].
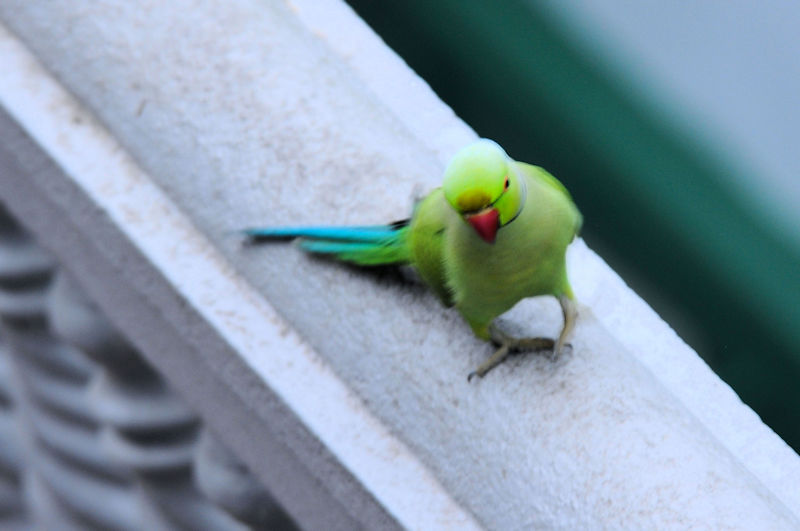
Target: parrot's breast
[{"x": 527, "y": 258}]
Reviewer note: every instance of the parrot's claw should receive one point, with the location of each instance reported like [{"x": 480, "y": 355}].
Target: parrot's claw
[
  {"x": 508, "y": 345},
  {"x": 555, "y": 352}
]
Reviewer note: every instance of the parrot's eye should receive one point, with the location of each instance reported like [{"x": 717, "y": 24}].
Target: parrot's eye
[{"x": 505, "y": 185}]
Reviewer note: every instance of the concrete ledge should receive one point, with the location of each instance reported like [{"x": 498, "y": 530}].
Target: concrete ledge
[{"x": 161, "y": 127}]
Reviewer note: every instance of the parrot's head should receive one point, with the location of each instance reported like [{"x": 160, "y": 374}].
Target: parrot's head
[{"x": 481, "y": 184}]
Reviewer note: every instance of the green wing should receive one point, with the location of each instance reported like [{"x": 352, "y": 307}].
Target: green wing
[
  {"x": 545, "y": 177},
  {"x": 425, "y": 238}
]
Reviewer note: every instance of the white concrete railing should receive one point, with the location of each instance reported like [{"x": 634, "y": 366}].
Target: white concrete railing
[{"x": 138, "y": 135}]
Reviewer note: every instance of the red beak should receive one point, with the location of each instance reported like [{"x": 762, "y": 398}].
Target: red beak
[{"x": 485, "y": 224}]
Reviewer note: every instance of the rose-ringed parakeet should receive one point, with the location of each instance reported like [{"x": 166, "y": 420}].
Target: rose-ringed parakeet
[{"x": 496, "y": 232}]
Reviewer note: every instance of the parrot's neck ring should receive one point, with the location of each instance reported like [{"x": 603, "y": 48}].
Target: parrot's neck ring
[{"x": 523, "y": 194}]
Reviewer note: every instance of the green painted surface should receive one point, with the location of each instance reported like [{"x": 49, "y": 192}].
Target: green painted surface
[{"x": 654, "y": 199}]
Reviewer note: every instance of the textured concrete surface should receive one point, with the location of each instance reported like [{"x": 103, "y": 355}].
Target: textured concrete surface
[{"x": 197, "y": 118}]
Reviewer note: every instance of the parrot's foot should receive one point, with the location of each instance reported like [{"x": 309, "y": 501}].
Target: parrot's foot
[{"x": 509, "y": 344}]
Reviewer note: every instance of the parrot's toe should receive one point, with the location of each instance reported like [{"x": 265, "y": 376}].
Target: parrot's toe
[
  {"x": 556, "y": 353},
  {"x": 509, "y": 345},
  {"x": 495, "y": 360}
]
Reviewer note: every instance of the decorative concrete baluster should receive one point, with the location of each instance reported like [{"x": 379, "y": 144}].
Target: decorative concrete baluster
[
  {"x": 68, "y": 482},
  {"x": 226, "y": 481},
  {"x": 11, "y": 505},
  {"x": 146, "y": 428}
]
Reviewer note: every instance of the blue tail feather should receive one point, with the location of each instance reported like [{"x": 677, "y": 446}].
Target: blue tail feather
[
  {"x": 330, "y": 247},
  {"x": 363, "y": 245},
  {"x": 374, "y": 233}
]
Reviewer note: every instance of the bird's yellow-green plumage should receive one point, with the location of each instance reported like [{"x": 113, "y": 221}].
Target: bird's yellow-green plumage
[
  {"x": 527, "y": 259},
  {"x": 494, "y": 233}
]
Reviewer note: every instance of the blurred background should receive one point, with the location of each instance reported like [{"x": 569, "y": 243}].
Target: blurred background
[{"x": 675, "y": 126}]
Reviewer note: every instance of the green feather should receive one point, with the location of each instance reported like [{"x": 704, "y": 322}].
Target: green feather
[{"x": 390, "y": 249}]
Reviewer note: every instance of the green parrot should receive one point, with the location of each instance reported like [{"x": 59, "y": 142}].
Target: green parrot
[{"x": 494, "y": 233}]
